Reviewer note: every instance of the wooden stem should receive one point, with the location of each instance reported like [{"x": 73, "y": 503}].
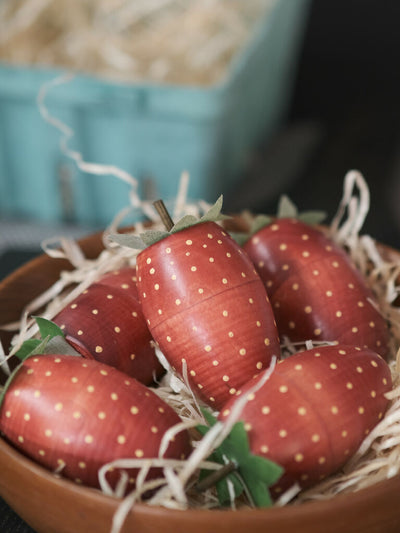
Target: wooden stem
[
  {"x": 163, "y": 212},
  {"x": 216, "y": 476}
]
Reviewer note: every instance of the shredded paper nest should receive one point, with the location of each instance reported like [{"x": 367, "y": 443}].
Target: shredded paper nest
[
  {"x": 378, "y": 457},
  {"x": 171, "y": 41}
]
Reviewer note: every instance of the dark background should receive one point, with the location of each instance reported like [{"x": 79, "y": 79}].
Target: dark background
[
  {"x": 344, "y": 114},
  {"x": 349, "y": 79}
]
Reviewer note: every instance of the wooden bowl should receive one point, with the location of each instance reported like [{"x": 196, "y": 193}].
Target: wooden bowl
[{"x": 50, "y": 504}]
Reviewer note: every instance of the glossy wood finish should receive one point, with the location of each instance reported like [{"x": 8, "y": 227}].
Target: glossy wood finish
[
  {"x": 315, "y": 291},
  {"x": 197, "y": 278},
  {"x": 52, "y": 505}
]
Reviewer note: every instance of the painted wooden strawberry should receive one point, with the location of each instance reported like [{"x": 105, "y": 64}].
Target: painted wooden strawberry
[
  {"x": 123, "y": 279},
  {"x": 106, "y": 323},
  {"x": 75, "y": 415},
  {"x": 206, "y": 307},
  {"x": 315, "y": 410},
  {"x": 315, "y": 291}
]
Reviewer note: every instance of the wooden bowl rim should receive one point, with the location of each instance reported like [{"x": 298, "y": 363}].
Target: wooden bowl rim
[{"x": 367, "y": 495}]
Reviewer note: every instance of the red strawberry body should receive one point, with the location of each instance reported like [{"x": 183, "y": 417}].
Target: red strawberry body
[
  {"x": 123, "y": 279},
  {"x": 106, "y": 323},
  {"x": 76, "y": 415},
  {"x": 315, "y": 410},
  {"x": 207, "y": 308},
  {"x": 315, "y": 290}
]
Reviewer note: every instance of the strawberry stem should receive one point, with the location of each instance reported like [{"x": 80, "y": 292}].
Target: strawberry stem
[
  {"x": 216, "y": 476},
  {"x": 164, "y": 214}
]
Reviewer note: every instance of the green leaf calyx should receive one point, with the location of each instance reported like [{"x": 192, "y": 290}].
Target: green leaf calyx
[
  {"x": 145, "y": 239},
  {"x": 252, "y": 474},
  {"x": 286, "y": 209}
]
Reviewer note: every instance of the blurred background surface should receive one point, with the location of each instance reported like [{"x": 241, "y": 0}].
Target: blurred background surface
[{"x": 342, "y": 112}]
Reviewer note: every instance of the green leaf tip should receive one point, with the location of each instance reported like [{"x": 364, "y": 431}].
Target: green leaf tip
[
  {"x": 47, "y": 328},
  {"x": 312, "y": 217},
  {"x": 27, "y": 350},
  {"x": 253, "y": 474},
  {"x": 52, "y": 340},
  {"x": 212, "y": 215},
  {"x": 128, "y": 240},
  {"x": 287, "y": 209}
]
